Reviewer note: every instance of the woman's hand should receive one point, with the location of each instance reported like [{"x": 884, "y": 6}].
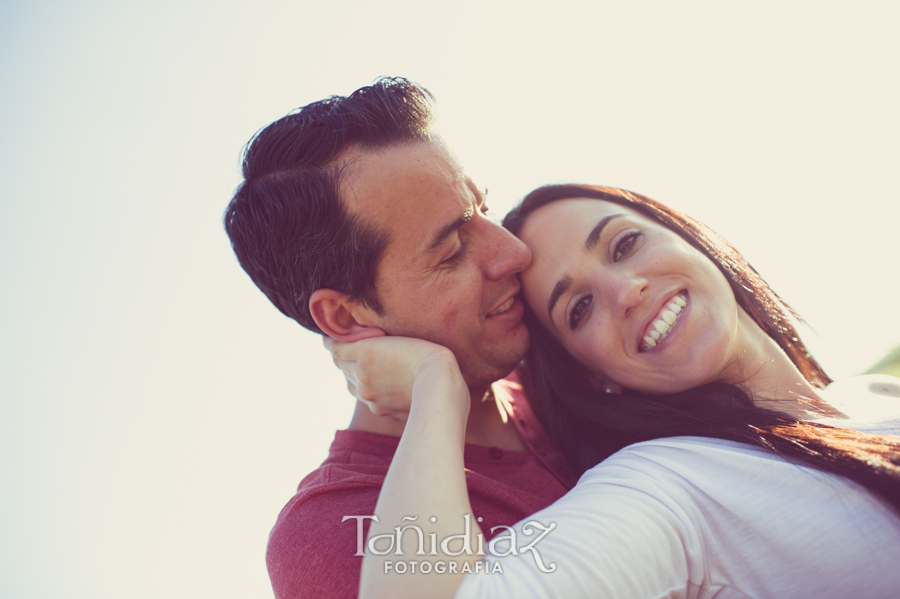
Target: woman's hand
[
  {"x": 420, "y": 383},
  {"x": 382, "y": 371}
]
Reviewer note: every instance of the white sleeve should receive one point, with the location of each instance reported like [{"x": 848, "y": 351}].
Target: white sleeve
[{"x": 618, "y": 533}]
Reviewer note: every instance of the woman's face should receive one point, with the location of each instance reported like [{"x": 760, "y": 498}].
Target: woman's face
[{"x": 628, "y": 298}]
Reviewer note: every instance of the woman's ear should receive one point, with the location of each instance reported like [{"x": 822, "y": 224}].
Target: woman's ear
[
  {"x": 601, "y": 383},
  {"x": 341, "y": 318}
]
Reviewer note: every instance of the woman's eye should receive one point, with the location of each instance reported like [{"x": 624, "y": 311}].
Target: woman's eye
[
  {"x": 578, "y": 312},
  {"x": 625, "y": 244}
]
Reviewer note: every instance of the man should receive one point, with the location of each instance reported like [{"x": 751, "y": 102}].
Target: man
[{"x": 356, "y": 220}]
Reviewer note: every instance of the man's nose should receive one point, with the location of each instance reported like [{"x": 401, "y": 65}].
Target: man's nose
[{"x": 505, "y": 254}]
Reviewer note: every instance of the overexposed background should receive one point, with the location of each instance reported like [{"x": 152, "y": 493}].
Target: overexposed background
[{"x": 156, "y": 411}]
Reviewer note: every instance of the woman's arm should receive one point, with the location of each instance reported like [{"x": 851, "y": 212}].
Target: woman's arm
[
  {"x": 610, "y": 536},
  {"x": 425, "y": 488}
]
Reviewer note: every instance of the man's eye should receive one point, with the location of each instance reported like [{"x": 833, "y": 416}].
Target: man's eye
[
  {"x": 579, "y": 311},
  {"x": 625, "y": 244},
  {"x": 457, "y": 257}
]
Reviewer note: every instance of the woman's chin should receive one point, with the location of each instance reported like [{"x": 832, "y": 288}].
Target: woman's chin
[{"x": 668, "y": 381}]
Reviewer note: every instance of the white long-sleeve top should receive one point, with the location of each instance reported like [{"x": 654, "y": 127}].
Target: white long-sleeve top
[{"x": 693, "y": 517}]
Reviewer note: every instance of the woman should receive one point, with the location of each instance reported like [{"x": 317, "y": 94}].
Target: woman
[{"x": 649, "y": 329}]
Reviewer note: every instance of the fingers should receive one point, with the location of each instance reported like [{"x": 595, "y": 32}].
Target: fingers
[
  {"x": 331, "y": 344},
  {"x": 341, "y": 350},
  {"x": 376, "y": 409},
  {"x": 380, "y": 372},
  {"x": 335, "y": 347},
  {"x": 339, "y": 355}
]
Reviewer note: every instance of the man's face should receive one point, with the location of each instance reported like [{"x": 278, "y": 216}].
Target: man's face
[{"x": 449, "y": 273}]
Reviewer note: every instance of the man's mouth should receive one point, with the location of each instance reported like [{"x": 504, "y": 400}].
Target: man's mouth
[
  {"x": 504, "y": 307},
  {"x": 660, "y": 326}
]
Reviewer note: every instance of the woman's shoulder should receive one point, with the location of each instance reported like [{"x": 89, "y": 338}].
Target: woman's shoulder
[
  {"x": 871, "y": 402},
  {"x": 678, "y": 459}
]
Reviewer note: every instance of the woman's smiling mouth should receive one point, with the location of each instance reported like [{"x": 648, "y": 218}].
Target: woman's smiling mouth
[{"x": 660, "y": 326}]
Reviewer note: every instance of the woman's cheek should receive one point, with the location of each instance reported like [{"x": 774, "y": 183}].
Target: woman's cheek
[{"x": 598, "y": 359}]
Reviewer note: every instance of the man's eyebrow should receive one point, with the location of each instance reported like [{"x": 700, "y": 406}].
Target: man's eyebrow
[
  {"x": 594, "y": 236},
  {"x": 561, "y": 287},
  {"x": 563, "y": 284},
  {"x": 446, "y": 230}
]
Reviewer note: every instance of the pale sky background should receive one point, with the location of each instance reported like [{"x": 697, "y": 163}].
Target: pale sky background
[{"x": 157, "y": 412}]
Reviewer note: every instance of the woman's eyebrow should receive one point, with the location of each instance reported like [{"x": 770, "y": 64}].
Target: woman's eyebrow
[
  {"x": 594, "y": 236},
  {"x": 561, "y": 286}
]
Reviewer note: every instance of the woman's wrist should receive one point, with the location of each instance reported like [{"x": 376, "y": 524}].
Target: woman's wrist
[{"x": 439, "y": 385}]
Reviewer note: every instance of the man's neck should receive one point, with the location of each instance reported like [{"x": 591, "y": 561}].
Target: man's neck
[{"x": 485, "y": 426}]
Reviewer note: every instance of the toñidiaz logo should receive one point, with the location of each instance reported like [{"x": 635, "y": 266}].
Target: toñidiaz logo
[{"x": 506, "y": 543}]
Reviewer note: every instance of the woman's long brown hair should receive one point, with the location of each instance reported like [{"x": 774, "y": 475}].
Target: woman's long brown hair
[{"x": 589, "y": 425}]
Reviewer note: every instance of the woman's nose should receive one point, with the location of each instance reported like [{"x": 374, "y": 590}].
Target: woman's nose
[{"x": 627, "y": 293}]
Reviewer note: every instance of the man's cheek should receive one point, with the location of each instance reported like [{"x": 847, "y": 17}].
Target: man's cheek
[{"x": 450, "y": 318}]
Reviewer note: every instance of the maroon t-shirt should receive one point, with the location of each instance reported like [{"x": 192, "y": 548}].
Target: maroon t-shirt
[{"x": 312, "y": 553}]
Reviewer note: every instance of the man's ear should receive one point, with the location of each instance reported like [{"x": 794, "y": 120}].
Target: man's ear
[{"x": 341, "y": 318}]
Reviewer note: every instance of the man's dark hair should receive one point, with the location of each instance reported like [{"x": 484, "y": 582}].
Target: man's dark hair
[{"x": 290, "y": 229}]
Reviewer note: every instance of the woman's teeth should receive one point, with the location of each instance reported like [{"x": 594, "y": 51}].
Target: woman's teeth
[
  {"x": 503, "y": 307},
  {"x": 659, "y": 328}
]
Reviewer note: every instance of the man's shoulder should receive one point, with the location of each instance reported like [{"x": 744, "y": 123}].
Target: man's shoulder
[
  {"x": 357, "y": 462},
  {"x": 322, "y": 501},
  {"x": 312, "y": 549}
]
